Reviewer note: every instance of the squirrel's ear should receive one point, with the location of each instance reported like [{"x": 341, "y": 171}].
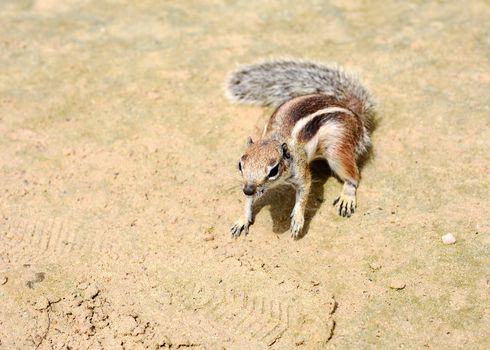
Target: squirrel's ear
[
  {"x": 285, "y": 151},
  {"x": 249, "y": 141}
]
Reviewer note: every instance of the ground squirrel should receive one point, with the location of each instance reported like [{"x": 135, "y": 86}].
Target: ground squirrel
[{"x": 322, "y": 112}]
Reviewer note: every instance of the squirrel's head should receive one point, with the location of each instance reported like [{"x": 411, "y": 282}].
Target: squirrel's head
[{"x": 263, "y": 163}]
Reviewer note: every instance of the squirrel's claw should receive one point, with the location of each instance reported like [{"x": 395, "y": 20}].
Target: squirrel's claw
[
  {"x": 346, "y": 205},
  {"x": 238, "y": 228},
  {"x": 297, "y": 223}
]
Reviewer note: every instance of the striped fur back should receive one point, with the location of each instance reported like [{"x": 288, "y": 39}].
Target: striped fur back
[{"x": 275, "y": 82}]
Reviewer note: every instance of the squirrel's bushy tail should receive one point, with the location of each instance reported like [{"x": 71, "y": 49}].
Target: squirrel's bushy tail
[{"x": 272, "y": 83}]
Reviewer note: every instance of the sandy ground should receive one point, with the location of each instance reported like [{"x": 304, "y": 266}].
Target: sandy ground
[{"x": 119, "y": 179}]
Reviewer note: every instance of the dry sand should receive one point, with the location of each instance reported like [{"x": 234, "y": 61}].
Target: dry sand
[{"x": 118, "y": 179}]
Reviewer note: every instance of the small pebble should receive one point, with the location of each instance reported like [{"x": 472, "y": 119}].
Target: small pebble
[
  {"x": 91, "y": 292},
  {"x": 448, "y": 239},
  {"x": 53, "y": 299},
  {"x": 125, "y": 325},
  {"x": 82, "y": 285},
  {"x": 138, "y": 330},
  {"x": 397, "y": 285},
  {"x": 3, "y": 280},
  {"x": 42, "y": 303},
  {"x": 375, "y": 266}
]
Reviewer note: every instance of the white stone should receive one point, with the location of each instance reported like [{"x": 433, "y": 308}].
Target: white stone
[{"x": 448, "y": 239}]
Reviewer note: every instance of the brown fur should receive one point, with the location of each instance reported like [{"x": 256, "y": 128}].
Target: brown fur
[
  {"x": 342, "y": 157},
  {"x": 345, "y": 155},
  {"x": 345, "y": 150},
  {"x": 312, "y": 127},
  {"x": 334, "y": 123},
  {"x": 285, "y": 117}
]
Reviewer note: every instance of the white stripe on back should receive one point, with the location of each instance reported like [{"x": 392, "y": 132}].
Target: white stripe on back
[{"x": 304, "y": 121}]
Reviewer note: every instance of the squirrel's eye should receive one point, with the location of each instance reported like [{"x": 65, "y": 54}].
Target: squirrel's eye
[
  {"x": 240, "y": 166},
  {"x": 274, "y": 171}
]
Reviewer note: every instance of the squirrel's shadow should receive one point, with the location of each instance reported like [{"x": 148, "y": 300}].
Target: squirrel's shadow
[{"x": 281, "y": 199}]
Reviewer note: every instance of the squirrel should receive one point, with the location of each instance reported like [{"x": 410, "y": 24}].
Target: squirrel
[{"x": 320, "y": 112}]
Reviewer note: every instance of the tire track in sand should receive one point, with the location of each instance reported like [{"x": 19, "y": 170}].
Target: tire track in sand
[
  {"x": 27, "y": 241},
  {"x": 245, "y": 316}
]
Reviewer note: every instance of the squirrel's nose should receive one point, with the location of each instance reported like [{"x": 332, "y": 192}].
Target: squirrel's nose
[{"x": 249, "y": 190}]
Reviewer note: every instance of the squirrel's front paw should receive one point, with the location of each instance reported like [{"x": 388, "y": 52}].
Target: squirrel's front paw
[
  {"x": 346, "y": 204},
  {"x": 239, "y": 227},
  {"x": 297, "y": 222}
]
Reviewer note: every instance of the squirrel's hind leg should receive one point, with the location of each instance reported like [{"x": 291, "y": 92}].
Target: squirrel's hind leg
[{"x": 342, "y": 161}]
